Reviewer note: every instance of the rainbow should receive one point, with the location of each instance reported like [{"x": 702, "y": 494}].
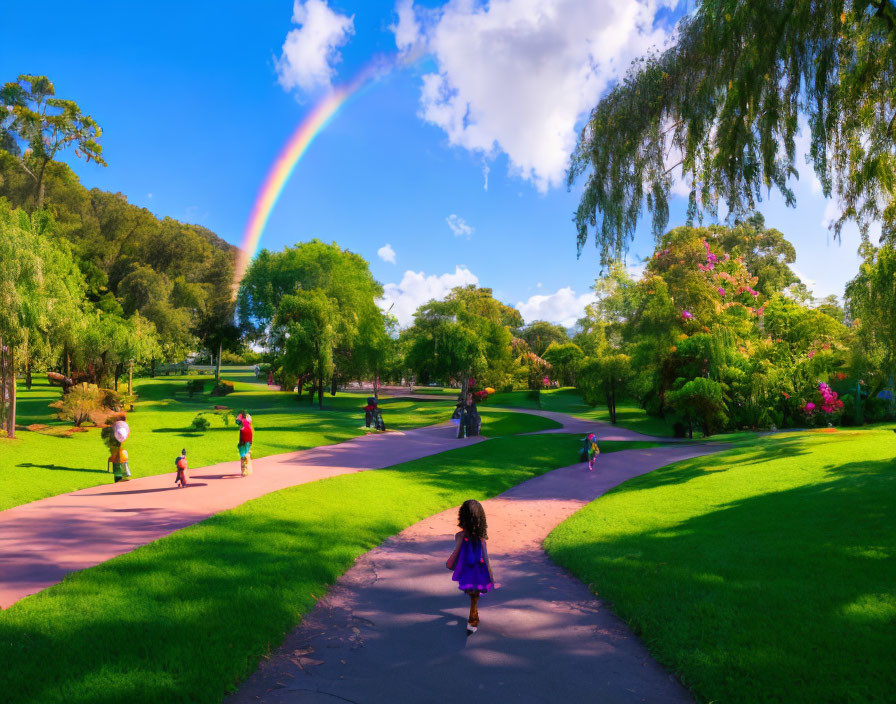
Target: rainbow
[{"x": 286, "y": 162}]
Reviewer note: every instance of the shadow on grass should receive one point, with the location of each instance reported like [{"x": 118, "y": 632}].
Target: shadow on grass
[
  {"x": 56, "y": 467},
  {"x": 796, "y": 588},
  {"x": 685, "y": 471}
]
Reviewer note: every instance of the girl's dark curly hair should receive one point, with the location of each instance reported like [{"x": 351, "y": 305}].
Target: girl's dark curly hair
[{"x": 471, "y": 518}]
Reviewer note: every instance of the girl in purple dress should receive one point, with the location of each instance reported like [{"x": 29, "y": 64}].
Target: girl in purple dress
[{"x": 472, "y": 570}]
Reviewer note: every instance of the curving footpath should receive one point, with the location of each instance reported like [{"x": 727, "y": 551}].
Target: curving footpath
[
  {"x": 42, "y": 541},
  {"x": 392, "y": 629}
]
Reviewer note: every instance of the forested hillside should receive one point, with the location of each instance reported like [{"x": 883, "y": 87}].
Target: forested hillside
[{"x": 172, "y": 273}]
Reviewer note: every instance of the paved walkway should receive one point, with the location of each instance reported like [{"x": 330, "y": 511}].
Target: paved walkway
[
  {"x": 392, "y": 629},
  {"x": 42, "y": 541}
]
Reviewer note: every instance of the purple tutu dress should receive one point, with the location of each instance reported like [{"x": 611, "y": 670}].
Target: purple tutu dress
[{"x": 471, "y": 571}]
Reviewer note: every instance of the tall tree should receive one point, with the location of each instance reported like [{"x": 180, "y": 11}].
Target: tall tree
[
  {"x": 871, "y": 301},
  {"x": 339, "y": 274},
  {"x": 540, "y": 335},
  {"x": 306, "y": 327},
  {"x": 564, "y": 360},
  {"x": 40, "y": 286},
  {"x": 35, "y": 126},
  {"x": 467, "y": 334},
  {"x": 724, "y": 103}
]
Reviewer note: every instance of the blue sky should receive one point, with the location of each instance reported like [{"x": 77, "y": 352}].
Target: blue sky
[{"x": 196, "y": 100}]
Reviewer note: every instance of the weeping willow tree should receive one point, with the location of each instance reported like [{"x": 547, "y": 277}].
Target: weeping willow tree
[{"x": 723, "y": 106}]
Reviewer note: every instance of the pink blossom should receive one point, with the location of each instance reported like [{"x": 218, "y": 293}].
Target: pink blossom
[
  {"x": 811, "y": 354},
  {"x": 721, "y": 291},
  {"x": 810, "y": 407},
  {"x": 686, "y": 314}
]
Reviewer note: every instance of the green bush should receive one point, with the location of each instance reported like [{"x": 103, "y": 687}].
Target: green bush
[
  {"x": 200, "y": 423},
  {"x": 241, "y": 358},
  {"x": 222, "y": 388},
  {"x": 195, "y": 386},
  {"x": 80, "y": 402}
]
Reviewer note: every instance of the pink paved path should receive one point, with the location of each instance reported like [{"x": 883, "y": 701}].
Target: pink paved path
[
  {"x": 392, "y": 629},
  {"x": 42, "y": 541}
]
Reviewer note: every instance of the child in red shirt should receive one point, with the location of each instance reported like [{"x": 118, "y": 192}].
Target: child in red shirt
[{"x": 244, "y": 446}]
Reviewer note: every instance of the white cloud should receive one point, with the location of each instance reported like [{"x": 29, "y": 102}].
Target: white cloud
[
  {"x": 407, "y": 29},
  {"x": 311, "y": 51},
  {"x": 563, "y": 307},
  {"x": 517, "y": 75},
  {"x": 416, "y": 288},
  {"x": 149, "y": 195},
  {"x": 386, "y": 253},
  {"x": 458, "y": 226}
]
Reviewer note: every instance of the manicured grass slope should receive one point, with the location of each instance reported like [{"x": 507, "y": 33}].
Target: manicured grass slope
[
  {"x": 37, "y": 465},
  {"x": 766, "y": 573},
  {"x": 567, "y": 400},
  {"x": 188, "y": 617},
  {"x": 496, "y": 422}
]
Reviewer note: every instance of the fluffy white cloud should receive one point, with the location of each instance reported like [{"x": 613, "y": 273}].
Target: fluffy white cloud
[
  {"x": 386, "y": 253},
  {"x": 563, "y": 307},
  {"x": 517, "y": 75},
  {"x": 458, "y": 226},
  {"x": 407, "y": 29},
  {"x": 311, "y": 51},
  {"x": 416, "y": 288}
]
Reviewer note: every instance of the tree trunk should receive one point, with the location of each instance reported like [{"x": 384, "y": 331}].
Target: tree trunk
[
  {"x": 333, "y": 385},
  {"x": 3, "y": 408},
  {"x": 889, "y": 385},
  {"x": 320, "y": 391},
  {"x": 690, "y": 429},
  {"x": 131, "y": 377},
  {"x": 68, "y": 363},
  {"x": 152, "y": 368},
  {"x": 11, "y": 414},
  {"x": 218, "y": 365}
]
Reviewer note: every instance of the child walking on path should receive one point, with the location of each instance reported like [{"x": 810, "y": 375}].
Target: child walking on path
[
  {"x": 244, "y": 446},
  {"x": 590, "y": 450},
  {"x": 472, "y": 570},
  {"x": 181, "y": 464}
]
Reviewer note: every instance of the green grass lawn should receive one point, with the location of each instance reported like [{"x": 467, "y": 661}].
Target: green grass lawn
[
  {"x": 766, "y": 573},
  {"x": 188, "y": 617},
  {"x": 497, "y": 422},
  {"x": 567, "y": 400},
  {"x": 37, "y": 465}
]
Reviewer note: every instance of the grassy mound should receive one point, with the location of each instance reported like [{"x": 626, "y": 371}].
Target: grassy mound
[{"x": 766, "y": 573}]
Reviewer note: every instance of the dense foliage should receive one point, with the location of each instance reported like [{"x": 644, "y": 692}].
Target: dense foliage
[
  {"x": 725, "y": 105},
  {"x": 314, "y": 306},
  {"x": 94, "y": 284},
  {"x": 716, "y": 344}
]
